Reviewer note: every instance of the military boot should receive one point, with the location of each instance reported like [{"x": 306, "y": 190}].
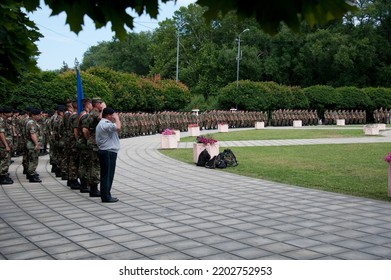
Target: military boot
[
  {"x": 35, "y": 179},
  {"x": 58, "y": 172},
  {"x": 74, "y": 184},
  {"x": 28, "y": 176},
  {"x": 8, "y": 178},
  {"x": 53, "y": 168},
  {"x": 84, "y": 186},
  {"x": 94, "y": 192},
  {"x": 64, "y": 176},
  {"x": 4, "y": 180}
]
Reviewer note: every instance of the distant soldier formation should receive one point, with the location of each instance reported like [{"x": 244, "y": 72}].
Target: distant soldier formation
[
  {"x": 350, "y": 117},
  {"x": 381, "y": 115},
  {"x": 69, "y": 136},
  {"x": 287, "y": 116},
  {"x": 138, "y": 124}
]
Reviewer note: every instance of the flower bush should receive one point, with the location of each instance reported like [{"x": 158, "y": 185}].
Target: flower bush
[
  {"x": 168, "y": 131},
  {"x": 388, "y": 157},
  {"x": 192, "y": 125},
  {"x": 206, "y": 140}
]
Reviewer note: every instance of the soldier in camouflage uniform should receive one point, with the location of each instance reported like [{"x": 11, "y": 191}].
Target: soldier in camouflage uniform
[
  {"x": 13, "y": 119},
  {"x": 5, "y": 146},
  {"x": 50, "y": 137},
  {"x": 58, "y": 141},
  {"x": 33, "y": 144},
  {"x": 65, "y": 140},
  {"x": 42, "y": 124},
  {"x": 90, "y": 124},
  {"x": 81, "y": 146},
  {"x": 23, "y": 139},
  {"x": 19, "y": 133},
  {"x": 73, "y": 163}
]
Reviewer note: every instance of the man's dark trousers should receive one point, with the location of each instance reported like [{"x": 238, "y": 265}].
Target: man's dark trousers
[{"x": 107, "y": 169}]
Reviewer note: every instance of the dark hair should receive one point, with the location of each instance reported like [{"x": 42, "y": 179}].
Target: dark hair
[{"x": 107, "y": 111}]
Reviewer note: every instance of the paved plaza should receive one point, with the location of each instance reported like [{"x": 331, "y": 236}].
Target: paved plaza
[{"x": 169, "y": 210}]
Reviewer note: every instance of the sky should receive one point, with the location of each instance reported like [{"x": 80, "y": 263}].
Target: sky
[{"x": 60, "y": 45}]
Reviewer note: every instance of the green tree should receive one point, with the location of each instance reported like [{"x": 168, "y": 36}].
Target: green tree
[
  {"x": 17, "y": 43},
  {"x": 122, "y": 86},
  {"x": 352, "y": 98},
  {"x": 21, "y": 34},
  {"x": 130, "y": 55},
  {"x": 42, "y": 90}
]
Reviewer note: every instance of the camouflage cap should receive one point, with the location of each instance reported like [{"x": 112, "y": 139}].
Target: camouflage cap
[
  {"x": 61, "y": 108},
  {"x": 35, "y": 111},
  {"x": 96, "y": 100},
  {"x": 84, "y": 101},
  {"x": 7, "y": 110}
]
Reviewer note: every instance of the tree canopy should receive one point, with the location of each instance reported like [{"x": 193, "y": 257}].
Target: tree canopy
[{"x": 18, "y": 34}]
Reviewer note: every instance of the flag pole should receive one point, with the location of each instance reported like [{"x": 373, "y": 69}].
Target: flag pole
[{"x": 80, "y": 94}]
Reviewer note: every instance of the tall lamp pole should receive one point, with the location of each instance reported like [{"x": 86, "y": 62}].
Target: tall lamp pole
[
  {"x": 177, "y": 56},
  {"x": 177, "y": 49},
  {"x": 238, "y": 58}
]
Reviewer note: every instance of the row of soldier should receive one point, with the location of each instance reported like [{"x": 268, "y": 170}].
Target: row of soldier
[
  {"x": 136, "y": 124},
  {"x": 381, "y": 115},
  {"x": 70, "y": 136},
  {"x": 350, "y": 117},
  {"x": 287, "y": 116},
  {"x": 20, "y": 134},
  {"x": 71, "y": 146},
  {"x": 73, "y": 151}
]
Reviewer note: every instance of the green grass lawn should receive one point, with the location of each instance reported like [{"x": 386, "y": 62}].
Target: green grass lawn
[
  {"x": 354, "y": 169},
  {"x": 272, "y": 134}
]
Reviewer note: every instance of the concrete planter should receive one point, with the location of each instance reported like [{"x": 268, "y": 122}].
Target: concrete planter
[
  {"x": 222, "y": 127},
  {"x": 213, "y": 150},
  {"x": 297, "y": 123},
  {"x": 340, "y": 121},
  {"x": 381, "y": 126},
  {"x": 259, "y": 125},
  {"x": 178, "y": 135},
  {"x": 169, "y": 142},
  {"x": 194, "y": 131},
  {"x": 371, "y": 130}
]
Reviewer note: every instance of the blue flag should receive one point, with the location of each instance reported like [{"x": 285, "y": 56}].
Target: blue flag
[{"x": 80, "y": 94}]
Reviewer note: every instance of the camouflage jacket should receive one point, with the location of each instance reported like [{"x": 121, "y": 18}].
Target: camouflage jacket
[
  {"x": 33, "y": 127},
  {"x": 7, "y": 130}
]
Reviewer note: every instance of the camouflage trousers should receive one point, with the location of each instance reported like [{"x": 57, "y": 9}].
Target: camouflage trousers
[
  {"x": 5, "y": 159},
  {"x": 89, "y": 167},
  {"x": 24, "y": 158},
  {"x": 51, "y": 148},
  {"x": 55, "y": 154},
  {"x": 32, "y": 161},
  {"x": 94, "y": 174},
  {"x": 73, "y": 164},
  {"x": 83, "y": 164},
  {"x": 64, "y": 158}
]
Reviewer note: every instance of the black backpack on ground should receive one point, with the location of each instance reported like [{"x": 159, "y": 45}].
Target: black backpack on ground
[
  {"x": 203, "y": 158},
  {"x": 229, "y": 158},
  {"x": 216, "y": 162}
]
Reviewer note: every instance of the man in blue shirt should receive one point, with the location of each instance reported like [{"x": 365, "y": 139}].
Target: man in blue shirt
[{"x": 108, "y": 143}]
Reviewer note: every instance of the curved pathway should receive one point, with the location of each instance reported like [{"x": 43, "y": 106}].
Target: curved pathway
[{"x": 172, "y": 210}]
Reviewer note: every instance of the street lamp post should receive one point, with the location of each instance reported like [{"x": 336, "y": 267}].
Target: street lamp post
[
  {"x": 238, "y": 58},
  {"x": 177, "y": 57},
  {"x": 177, "y": 50}
]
